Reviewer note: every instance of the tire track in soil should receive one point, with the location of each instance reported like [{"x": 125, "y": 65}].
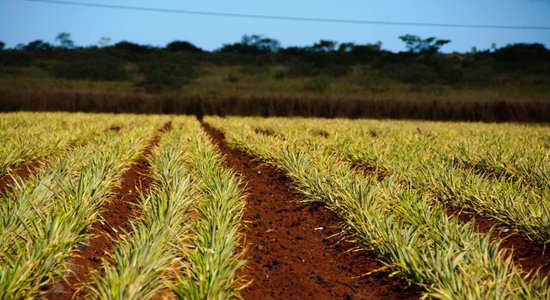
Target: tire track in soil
[
  {"x": 116, "y": 214},
  {"x": 287, "y": 258}
]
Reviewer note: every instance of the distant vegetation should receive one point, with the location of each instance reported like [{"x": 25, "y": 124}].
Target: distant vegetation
[{"x": 256, "y": 76}]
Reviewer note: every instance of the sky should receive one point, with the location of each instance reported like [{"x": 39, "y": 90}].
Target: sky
[{"x": 24, "y": 21}]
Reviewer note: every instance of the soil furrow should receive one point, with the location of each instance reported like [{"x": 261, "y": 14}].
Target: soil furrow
[
  {"x": 116, "y": 215},
  {"x": 526, "y": 254},
  {"x": 294, "y": 251},
  {"x": 24, "y": 172}
]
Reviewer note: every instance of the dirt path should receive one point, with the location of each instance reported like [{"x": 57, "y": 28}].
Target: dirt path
[
  {"x": 116, "y": 214},
  {"x": 526, "y": 254},
  {"x": 291, "y": 253}
]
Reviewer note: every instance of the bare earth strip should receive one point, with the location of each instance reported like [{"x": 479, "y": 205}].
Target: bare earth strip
[
  {"x": 526, "y": 254},
  {"x": 116, "y": 214},
  {"x": 24, "y": 172},
  {"x": 292, "y": 252}
]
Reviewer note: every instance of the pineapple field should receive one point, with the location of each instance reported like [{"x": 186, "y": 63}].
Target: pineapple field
[{"x": 122, "y": 206}]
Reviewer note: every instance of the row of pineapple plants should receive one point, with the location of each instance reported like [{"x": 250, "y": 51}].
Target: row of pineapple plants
[
  {"x": 185, "y": 241},
  {"x": 405, "y": 226},
  {"x": 431, "y": 160},
  {"x": 29, "y": 137},
  {"x": 44, "y": 217}
]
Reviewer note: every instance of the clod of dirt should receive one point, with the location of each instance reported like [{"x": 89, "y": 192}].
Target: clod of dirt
[
  {"x": 267, "y": 132},
  {"x": 114, "y": 128},
  {"x": 321, "y": 133}
]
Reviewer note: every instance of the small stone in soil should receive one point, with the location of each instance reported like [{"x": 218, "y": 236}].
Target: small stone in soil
[
  {"x": 317, "y": 279},
  {"x": 82, "y": 246}
]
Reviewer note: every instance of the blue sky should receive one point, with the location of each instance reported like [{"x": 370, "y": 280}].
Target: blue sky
[{"x": 22, "y": 22}]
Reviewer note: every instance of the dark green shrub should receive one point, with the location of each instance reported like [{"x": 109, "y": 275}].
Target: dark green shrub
[
  {"x": 317, "y": 84},
  {"x": 38, "y": 46},
  {"x": 231, "y": 78},
  {"x": 129, "y": 51},
  {"x": 302, "y": 69},
  {"x": 93, "y": 66},
  {"x": 15, "y": 58},
  {"x": 336, "y": 70},
  {"x": 167, "y": 72}
]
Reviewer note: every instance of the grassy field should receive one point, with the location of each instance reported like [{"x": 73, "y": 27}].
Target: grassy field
[
  {"x": 161, "y": 207},
  {"x": 274, "y": 81}
]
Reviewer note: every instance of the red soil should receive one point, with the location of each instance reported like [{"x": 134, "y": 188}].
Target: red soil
[
  {"x": 23, "y": 172},
  {"x": 291, "y": 249},
  {"x": 526, "y": 254},
  {"x": 114, "y": 128},
  {"x": 116, "y": 214}
]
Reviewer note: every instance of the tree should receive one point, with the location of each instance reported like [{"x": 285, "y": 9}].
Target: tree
[
  {"x": 64, "y": 40},
  {"x": 415, "y": 44},
  {"x": 129, "y": 51},
  {"x": 345, "y": 47},
  {"x": 183, "y": 46},
  {"x": 366, "y": 52},
  {"x": 132, "y": 47},
  {"x": 104, "y": 41},
  {"x": 529, "y": 58},
  {"x": 2, "y": 45},
  {"x": 324, "y": 46},
  {"x": 37, "y": 45},
  {"x": 252, "y": 44},
  {"x": 263, "y": 44},
  {"x": 367, "y": 48},
  {"x": 523, "y": 51}
]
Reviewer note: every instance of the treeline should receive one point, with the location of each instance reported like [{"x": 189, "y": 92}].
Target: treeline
[{"x": 156, "y": 71}]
